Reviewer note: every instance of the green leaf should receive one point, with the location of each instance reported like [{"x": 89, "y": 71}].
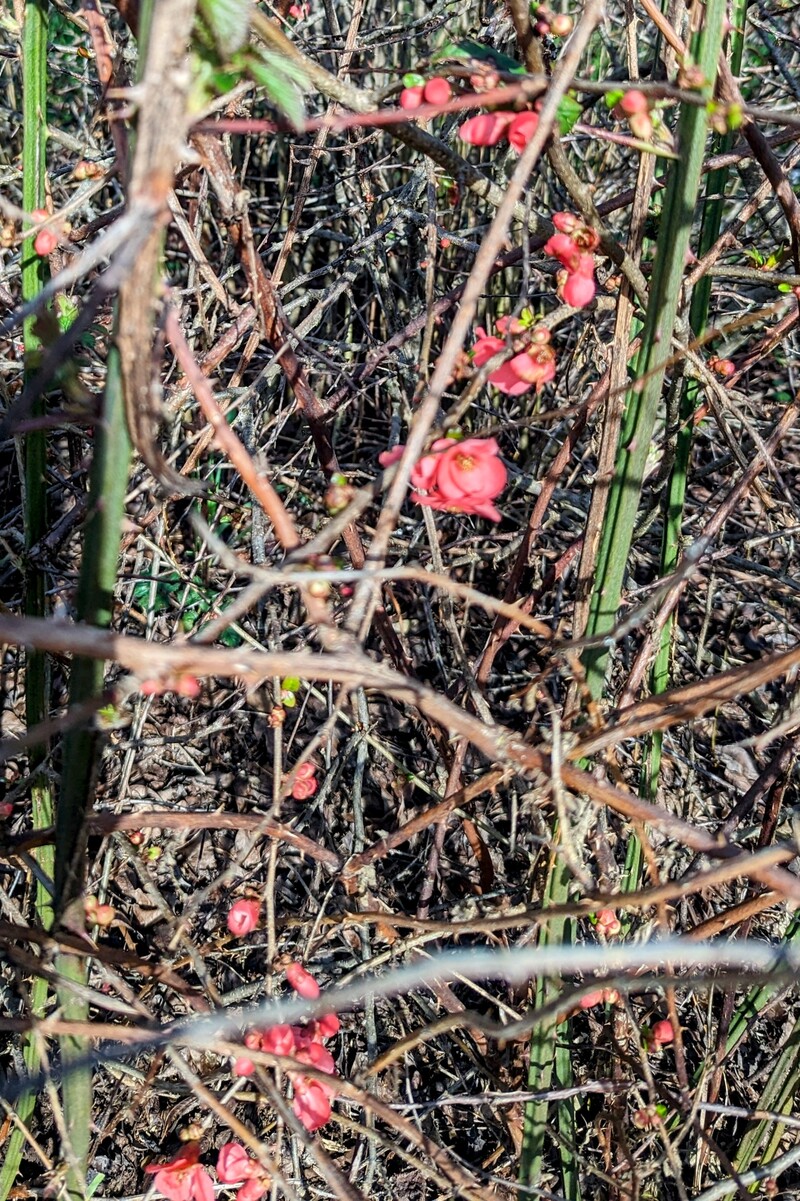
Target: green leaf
[
  {"x": 569, "y": 111},
  {"x": 283, "y": 81},
  {"x": 231, "y": 638},
  {"x": 229, "y": 21},
  {"x": 484, "y": 54},
  {"x": 412, "y": 80}
]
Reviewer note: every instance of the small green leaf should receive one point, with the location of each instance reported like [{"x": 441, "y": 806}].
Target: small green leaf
[
  {"x": 229, "y": 21},
  {"x": 283, "y": 81},
  {"x": 613, "y": 98},
  {"x": 412, "y": 80},
  {"x": 569, "y": 111}
]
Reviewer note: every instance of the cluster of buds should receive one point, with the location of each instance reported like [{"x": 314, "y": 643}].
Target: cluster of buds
[
  {"x": 723, "y": 367},
  {"x": 487, "y": 129},
  {"x": 532, "y": 366},
  {"x": 183, "y": 684},
  {"x": 305, "y": 781},
  {"x": 550, "y": 24},
  {"x": 312, "y": 1098},
  {"x": 634, "y": 107},
  {"x": 48, "y": 238},
  {"x": 418, "y": 91},
  {"x": 574, "y": 245},
  {"x": 607, "y": 923},
  {"x": 600, "y": 996}
]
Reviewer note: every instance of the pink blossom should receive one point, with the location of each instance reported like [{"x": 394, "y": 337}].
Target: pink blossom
[
  {"x": 487, "y": 129},
  {"x": 243, "y": 917},
  {"x": 662, "y": 1032},
  {"x": 608, "y": 922},
  {"x": 311, "y": 1103},
  {"x": 536, "y": 366},
  {"x": 302, "y": 981},
  {"x": 437, "y": 91},
  {"x": 235, "y": 1165},
  {"x": 280, "y": 1040},
  {"x": 522, "y": 129},
  {"x": 599, "y": 997},
  {"x": 326, "y": 1026},
  {"x": 504, "y": 378},
  {"x": 411, "y": 98},
  {"x": 634, "y": 101},
  {"x": 243, "y": 1066},
  {"x": 305, "y": 781},
  {"x": 388, "y": 458},
  {"x": 182, "y": 1178},
  {"x": 469, "y": 476},
  {"x": 578, "y": 290},
  {"x": 562, "y": 247}
]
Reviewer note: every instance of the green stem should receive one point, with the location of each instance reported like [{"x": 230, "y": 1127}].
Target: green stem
[
  {"x": 713, "y": 211},
  {"x": 644, "y": 397},
  {"x": 34, "y": 276}
]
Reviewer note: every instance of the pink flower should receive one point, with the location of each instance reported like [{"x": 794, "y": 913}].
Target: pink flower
[
  {"x": 504, "y": 378},
  {"x": 183, "y": 1179},
  {"x": 634, "y": 101},
  {"x": 487, "y": 129},
  {"x": 243, "y": 1066},
  {"x": 326, "y": 1026},
  {"x": 583, "y": 237},
  {"x": 235, "y": 1165},
  {"x": 46, "y": 240},
  {"x": 243, "y": 917},
  {"x": 302, "y": 981},
  {"x": 662, "y": 1032},
  {"x": 536, "y": 366},
  {"x": 470, "y": 474},
  {"x": 578, "y": 290},
  {"x": 298, "y": 10},
  {"x": 411, "y": 98},
  {"x": 562, "y": 247},
  {"x": 311, "y": 1103},
  {"x": 522, "y": 129},
  {"x": 304, "y": 787},
  {"x": 608, "y": 922},
  {"x": 280, "y": 1040},
  {"x": 437, "y": 91}
]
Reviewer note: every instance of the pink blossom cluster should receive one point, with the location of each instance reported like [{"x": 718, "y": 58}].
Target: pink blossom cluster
[
  {"x": 487, "y": 129},
  {"x": 534, "y": 365},
  {"x": 635, "y": 106},
  {"x": 312, "y": 1098},
  {"x": 183, "y": 1178},
  {"x": 457, "y": 477},
  {"x": 305, "y": 781},
  {"x": 574, "y": 245},
  {"x": 600, "y": 996}
]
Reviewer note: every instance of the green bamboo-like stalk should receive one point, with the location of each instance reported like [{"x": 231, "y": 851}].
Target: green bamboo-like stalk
[
  {"x": 34, "y": 275},
  {"x": 82, "y": 747},
  {"x": 711, "y": 223},
  {"x": 550, "y": 1063},
  {"x": 644, "y": 396}
]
